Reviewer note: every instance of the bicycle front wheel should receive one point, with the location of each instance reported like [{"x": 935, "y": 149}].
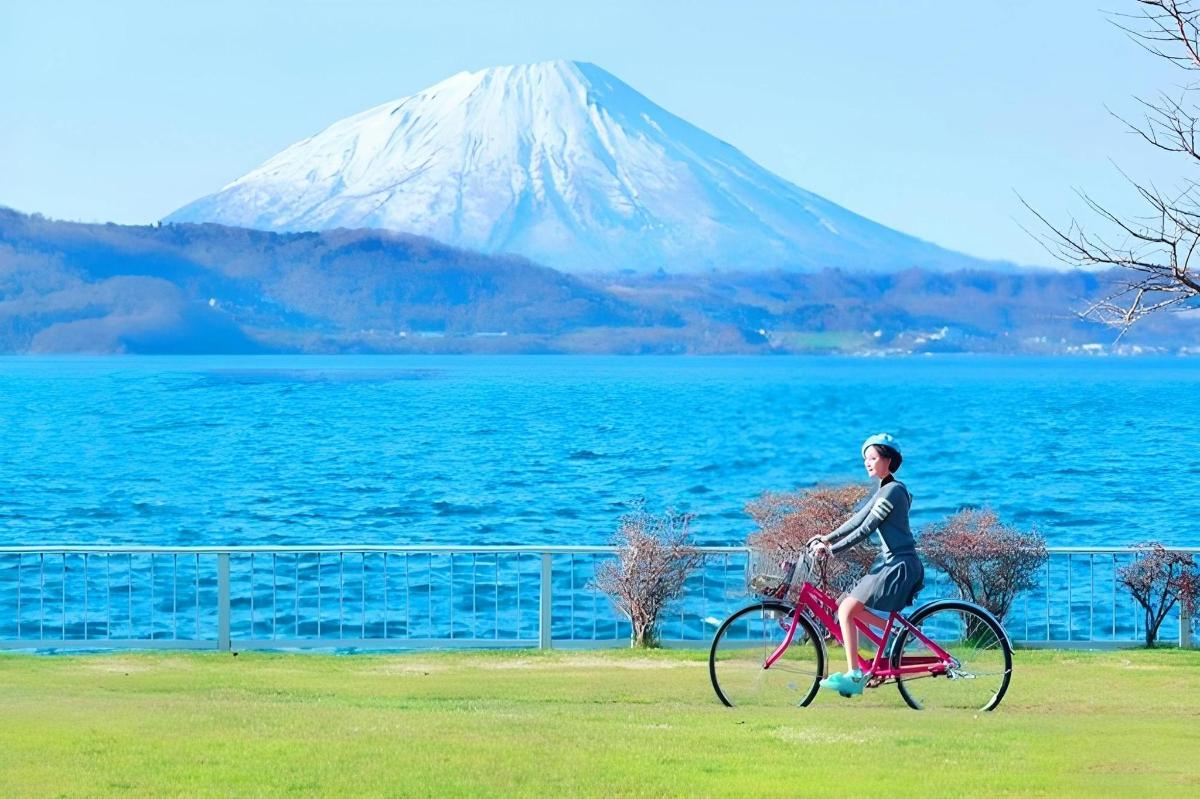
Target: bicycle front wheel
[
  {"x": 981, "y": 658},
  {"x": 737, "y": 661}
]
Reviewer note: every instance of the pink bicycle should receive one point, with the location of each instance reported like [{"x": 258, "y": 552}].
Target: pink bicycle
[{"x": 947, "y": 654}]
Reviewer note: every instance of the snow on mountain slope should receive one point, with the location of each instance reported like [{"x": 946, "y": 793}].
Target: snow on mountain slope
[{"x": 565, "y": 164}]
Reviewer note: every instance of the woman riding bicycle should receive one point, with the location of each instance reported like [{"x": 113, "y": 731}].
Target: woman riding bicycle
[{"x": 894, "y": 579}]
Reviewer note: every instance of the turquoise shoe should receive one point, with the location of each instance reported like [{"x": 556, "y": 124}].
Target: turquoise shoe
[{"x": 847, "y": 685}]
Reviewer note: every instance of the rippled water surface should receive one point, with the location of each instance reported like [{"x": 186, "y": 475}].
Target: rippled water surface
[{"x": 549, "y": 450}]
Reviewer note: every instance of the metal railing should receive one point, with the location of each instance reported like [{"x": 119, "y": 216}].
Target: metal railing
[{"x": 377, "y": 597}]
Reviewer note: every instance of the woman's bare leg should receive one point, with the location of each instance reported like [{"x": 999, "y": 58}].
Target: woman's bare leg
[
  {"x": 847, "y": 612},
  {"x": 867, "y": 616}
]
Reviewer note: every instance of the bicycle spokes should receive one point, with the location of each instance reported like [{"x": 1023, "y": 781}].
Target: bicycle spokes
[
  {"x": 976, "y": 672},
  {"x": 748, "y": 641}
]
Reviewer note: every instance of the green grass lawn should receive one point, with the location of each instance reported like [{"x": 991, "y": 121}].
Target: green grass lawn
[{"x": 615, "y": 723}]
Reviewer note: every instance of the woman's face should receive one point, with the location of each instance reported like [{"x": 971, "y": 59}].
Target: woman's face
[{"x": 877, "y": 466}]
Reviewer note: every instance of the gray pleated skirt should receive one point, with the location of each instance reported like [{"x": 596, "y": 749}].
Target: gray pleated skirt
[{"x": 891, "y": 584}]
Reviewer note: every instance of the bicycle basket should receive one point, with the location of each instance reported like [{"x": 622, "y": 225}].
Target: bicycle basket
[{"x": 770, "y": 576}]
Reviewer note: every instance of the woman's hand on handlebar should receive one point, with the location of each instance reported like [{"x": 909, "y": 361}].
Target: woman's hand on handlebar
[{"x": 819, "y": 546}]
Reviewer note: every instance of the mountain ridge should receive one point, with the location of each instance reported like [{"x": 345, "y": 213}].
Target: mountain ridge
[{"x": 566, "y": 164}]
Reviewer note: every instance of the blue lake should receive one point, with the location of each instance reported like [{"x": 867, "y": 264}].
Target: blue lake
[{"x": 549, "y": 450}]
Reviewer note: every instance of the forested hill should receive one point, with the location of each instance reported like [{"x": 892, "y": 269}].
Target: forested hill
[
  {"x": 67, "y": 287},
  {"x": 186, "y": 288}
]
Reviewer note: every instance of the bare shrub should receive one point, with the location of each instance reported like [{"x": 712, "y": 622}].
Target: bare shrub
[
  {"x": 788, "y": 520},
  {"x": 988, "y": 561},
  {"x": 1157, "y": 580},
  {"x": 653, "y": 561}
]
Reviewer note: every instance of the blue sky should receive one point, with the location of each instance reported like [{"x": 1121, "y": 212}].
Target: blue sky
[{"x": 926, "y": 116}]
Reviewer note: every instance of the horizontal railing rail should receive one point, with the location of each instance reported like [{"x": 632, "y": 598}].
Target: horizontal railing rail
[
  {"x": 205, "y": 550},
  {"x": 398, "y": 597}
]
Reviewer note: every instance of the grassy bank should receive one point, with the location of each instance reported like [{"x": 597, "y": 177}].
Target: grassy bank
[{"x": 603, "y": 724}]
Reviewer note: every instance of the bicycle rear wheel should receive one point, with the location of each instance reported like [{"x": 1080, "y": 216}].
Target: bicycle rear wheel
[
  {"x": 745, "y": 641},
  {"x": 981, "y": 665}
]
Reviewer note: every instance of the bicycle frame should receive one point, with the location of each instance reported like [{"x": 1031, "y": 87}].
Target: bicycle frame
[{"x": 824, "y": 609}]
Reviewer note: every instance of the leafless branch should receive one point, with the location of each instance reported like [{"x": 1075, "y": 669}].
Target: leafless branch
[{"x": 1155, "y": 250}]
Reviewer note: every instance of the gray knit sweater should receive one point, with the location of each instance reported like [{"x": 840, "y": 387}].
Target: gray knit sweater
[{"x": 886, "y": 513}]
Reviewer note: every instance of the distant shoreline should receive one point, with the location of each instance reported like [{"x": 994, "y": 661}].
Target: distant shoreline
[
  {"x": 1137, "y": 353},
  {"x": 192, "y": 289}
]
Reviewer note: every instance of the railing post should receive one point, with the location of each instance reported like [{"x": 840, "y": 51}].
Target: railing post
[
  {"x": 223, "y": 643},
  {"x": 1185, "y": 626},
  {"x": 545, "y": 603}
]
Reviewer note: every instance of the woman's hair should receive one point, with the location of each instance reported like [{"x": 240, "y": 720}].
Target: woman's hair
[{"x": 894, "y": 457}]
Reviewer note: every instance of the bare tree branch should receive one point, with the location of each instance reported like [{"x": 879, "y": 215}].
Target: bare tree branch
[{"x": 1156, "y": 250}]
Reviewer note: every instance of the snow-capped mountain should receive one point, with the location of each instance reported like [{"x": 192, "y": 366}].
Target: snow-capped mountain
[{"x": 563, "y": 163}]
